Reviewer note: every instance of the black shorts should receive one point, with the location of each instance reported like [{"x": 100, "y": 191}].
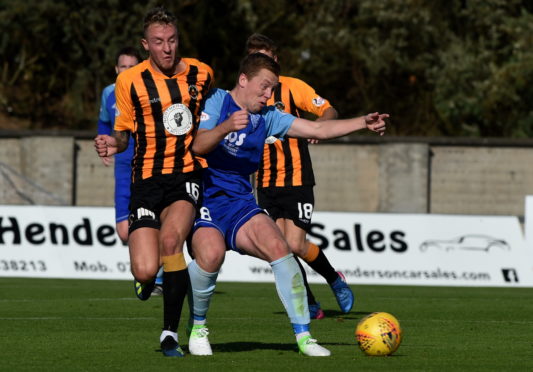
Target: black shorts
[
  {"x": 150, "y": 196},
  {"x": 294, "y": 203}
]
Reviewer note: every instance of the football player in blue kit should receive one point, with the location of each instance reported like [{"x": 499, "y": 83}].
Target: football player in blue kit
[
  {"x": 126, "y": 57},
  {"x": 233, "y": 129}
]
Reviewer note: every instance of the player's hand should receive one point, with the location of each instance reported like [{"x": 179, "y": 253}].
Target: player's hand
[
  {"x": 105, "y": 145},
  {"x": 376, "y": 122},
  {"x": 237, "y": 121},
  {"x": 107, "y": 160}
]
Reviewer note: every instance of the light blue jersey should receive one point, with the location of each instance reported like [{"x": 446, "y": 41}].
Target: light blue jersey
[
  {"x": 238, "y": 155},
  {"x": 106, "y": 123},
  {"x": 228, "y": 199},
  {"x": 106, "y": 117}
]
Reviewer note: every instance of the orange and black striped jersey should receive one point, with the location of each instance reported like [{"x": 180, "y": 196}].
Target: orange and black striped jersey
[
  {"x": 288, "y": 163},
  {"x": 162, "y": 113}
]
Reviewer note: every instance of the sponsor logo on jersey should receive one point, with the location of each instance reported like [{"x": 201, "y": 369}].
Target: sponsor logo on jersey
[
  {"x": 233, "y": 141},
  {"x": 145, "y": 213},
  {"x": 177, "y": 119},
  {"x": 318, "y": 101},
  {"x": 204, "y": 116}
]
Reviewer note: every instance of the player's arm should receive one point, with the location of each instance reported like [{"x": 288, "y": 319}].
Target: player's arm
[
  {"x": 329, "y": 129},
  {"x": 207, "y": 139},
  {"x": 329, "y": 114},
  {"x": 122, "y": 137},
  {"x": 106, "y": 145}
]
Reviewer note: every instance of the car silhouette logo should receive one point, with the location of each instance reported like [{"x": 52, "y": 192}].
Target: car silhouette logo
[{"x": 482, "y": 243}]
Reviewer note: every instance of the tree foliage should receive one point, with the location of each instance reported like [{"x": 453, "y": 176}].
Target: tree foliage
[{"x": 453, "y": 68}]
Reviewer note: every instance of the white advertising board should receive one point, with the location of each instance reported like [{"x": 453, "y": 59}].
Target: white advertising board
[
  {"x": 61, "y": 242},
  {"x": 412, "y": 249},
  {"x": 528, "y": 223},
  {"x": 398, "y": 249}
]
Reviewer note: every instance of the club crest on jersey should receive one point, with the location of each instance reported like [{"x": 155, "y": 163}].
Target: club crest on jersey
[
  {"x": 177, "y": 119},
  {"x": 280, "y": 106},
  {"x": 318, "y": 101},
  {"x": 254, "y": 120},
  {"x": 193, "y": 91}
]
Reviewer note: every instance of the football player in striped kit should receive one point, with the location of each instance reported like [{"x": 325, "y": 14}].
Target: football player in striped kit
[
  {"x": 285, "y": 180},
  {"x": 158, "y": 103}
]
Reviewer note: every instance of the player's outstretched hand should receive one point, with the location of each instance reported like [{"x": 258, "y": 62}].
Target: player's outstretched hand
[
  {"x": 237, "y": 121},
  {"x": 376, "y": 122},
  {"x": 105, "y": 145}
]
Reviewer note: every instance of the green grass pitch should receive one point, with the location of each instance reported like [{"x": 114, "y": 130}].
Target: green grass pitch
[{"x": 94, "y": 325}]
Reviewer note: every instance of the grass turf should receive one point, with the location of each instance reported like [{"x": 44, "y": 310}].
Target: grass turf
[{"x": 93, "y": 325}]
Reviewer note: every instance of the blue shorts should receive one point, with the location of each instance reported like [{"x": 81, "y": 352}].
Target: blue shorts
[
  {"x": 123, "y": 183},
  {"x": 227, "y": 214}
]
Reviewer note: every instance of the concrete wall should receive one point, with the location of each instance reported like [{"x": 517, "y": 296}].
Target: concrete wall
[
  {"x": 370, "y": 175},
  {"x": 480, "y": 180},
  {"x": 95, "y": 182},
  {"x": 36, "y": 170}
]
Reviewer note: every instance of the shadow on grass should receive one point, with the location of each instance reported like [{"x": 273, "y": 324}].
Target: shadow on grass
[
  {"x": 353, "y": 315},
  {"x": 235, "y": 347},
  {"x": 232, "y": 347}
]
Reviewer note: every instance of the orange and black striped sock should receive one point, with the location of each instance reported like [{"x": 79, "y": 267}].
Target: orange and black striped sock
[{"x": 319, "y": 262}]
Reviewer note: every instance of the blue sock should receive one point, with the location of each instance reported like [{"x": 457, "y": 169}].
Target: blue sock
[
  {"x": 159, "y": 277},
  {"x": 300, "y": 328},
  {"x": 291, "y": 289},
  {"x": 202, "y": 288}
]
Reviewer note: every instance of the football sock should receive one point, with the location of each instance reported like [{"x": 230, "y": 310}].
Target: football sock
[
  {"x": 175, "y": 284},
  {"x": 291, "y": 289},
  {"x": 164, "y": 334},
  {"x": 320, "y": 263},
  {"x": 302, "y": 335},
  {"x": 176, "y": 262},
  {"x": 199, "y": 320},
  {"x": 159, "y": 277},
  {"x": 310, "y": 297},
  {"x": 202, "y": 288}
]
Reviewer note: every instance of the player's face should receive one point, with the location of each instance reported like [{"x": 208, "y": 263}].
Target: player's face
[
  {"x": 259, "y": 89},
  {"x": 125, "y": 62},
  {"x": 162, "y": 43}
]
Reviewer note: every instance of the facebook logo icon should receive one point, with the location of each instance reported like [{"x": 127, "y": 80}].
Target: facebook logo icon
[{"x": 510, "y": 275}]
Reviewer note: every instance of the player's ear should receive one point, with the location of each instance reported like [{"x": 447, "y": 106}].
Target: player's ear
[
  {"x": 144, "y": 43},
  {"x": 243, "y": 80}
]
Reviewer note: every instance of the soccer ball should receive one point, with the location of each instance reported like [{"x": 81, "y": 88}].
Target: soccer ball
[{"x": 378, "y": 334}]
